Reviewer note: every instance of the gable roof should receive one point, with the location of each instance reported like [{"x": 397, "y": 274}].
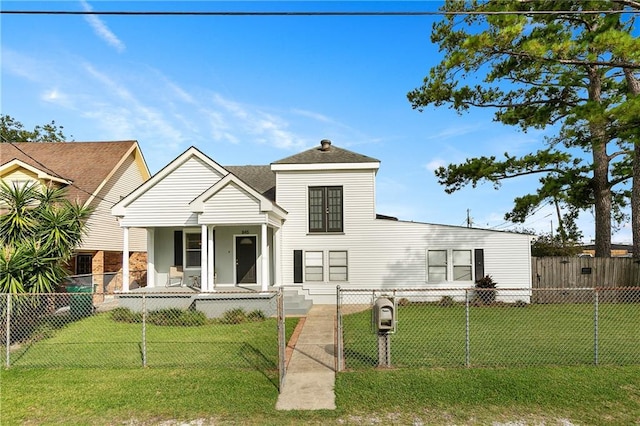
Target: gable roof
[
  {"x": 260, "y": 181},
  {"x": 326, "y": 154},
  {"x": 87, "y": 165},
  {"x": 119, "y": 208},
  {"x": 265, "y": 204},
  {"x": 260, "y": 178}
]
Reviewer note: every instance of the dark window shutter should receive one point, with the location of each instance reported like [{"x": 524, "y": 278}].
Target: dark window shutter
[
  {"x": 297, "y": 266},
  {"x": 479, "y": 263},
  {"x": 177, "y": 248}
]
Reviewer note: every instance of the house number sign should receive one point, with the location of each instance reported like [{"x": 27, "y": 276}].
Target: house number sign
[{"x": 244, "y": 232}]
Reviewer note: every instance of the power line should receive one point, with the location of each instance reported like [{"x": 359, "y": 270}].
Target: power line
[{"x": 314, "y": 13}]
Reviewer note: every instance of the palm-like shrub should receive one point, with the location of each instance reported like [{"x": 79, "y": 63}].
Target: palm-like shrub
[
  {"x": 485, "y": 290},
  {"x": 39, "y": 229}
]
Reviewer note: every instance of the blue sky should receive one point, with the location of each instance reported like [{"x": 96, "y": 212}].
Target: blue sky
[{"x": 255, "y": 89}]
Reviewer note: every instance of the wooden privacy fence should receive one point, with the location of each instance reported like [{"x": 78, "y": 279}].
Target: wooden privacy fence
[{"x": 582, "y": 273}]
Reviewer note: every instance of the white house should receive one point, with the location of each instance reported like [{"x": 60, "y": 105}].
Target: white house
[{"x": 306, "y": 222}]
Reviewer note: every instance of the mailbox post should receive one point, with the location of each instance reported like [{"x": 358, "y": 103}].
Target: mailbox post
[{"x": 384, "y": 322}]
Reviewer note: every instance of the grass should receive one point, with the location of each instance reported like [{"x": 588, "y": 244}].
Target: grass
[
  {"x": 530, "y": 396},
  {"x": 429, "y": 335},
  {"x": 205, "y": 391},
  {"x": 100, "y": 342}
]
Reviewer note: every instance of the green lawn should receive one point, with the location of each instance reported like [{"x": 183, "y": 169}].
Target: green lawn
[
  {"x": 100, "y": 342},
  {"x": 429, "y": 335},
  {"x": 182, "y": 385},
  {"x": 603, "y": 395}
]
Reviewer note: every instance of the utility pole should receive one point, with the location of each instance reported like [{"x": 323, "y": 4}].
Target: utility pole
[{"x": 469, "y": 220}]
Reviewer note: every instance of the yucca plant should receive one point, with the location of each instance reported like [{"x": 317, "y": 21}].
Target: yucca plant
[{"x": 39, "y": 229}]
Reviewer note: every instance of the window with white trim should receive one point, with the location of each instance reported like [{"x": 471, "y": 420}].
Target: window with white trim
[
  {"x": 193, "y": 249},
  {"x": 338, "y": 266},
  {"x": 437, "y": 265},
  {"x": 325, "y": 209},
  {"x": 449, "y": 265},
  {"x": 462, "y": 265},
  {"x": 313, "y": 266}
]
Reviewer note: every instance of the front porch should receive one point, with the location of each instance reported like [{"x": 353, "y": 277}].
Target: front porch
[
  {"x": 206, "y": 223},
  {"x": 214, "y": 304},
  {"x": 213, "y": 258}
]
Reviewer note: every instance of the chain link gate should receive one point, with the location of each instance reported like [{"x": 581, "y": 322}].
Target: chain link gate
[{"x": 511, "y": 327}]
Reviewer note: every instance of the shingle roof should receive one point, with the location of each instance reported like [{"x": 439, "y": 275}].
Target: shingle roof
[
  {"x": 260, "y": 178},
  {"x": 85, "y": 164},
  {"x": 331, "y": 155}
]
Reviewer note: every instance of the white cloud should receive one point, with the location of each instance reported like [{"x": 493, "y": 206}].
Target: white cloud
[
  {"x": 313, "y": 115},
  {"x": 267, "y": 127},
  {"x": 101, "y": 29},
  {"x": 455, "y": 131},
  {"x": 435, "y": 164},
  {"x": 57, "y": 97}
]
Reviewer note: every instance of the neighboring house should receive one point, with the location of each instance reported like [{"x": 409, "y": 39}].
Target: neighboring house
[
  {"x": 306, "y": 222},
  {"x": 95, "y": 174}
]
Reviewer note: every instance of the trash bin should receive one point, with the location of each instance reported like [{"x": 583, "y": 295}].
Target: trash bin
[{"x": 81, "y": 303}]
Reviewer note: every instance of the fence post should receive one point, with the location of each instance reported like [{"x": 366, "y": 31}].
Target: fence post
[
  {"x": 339, "y": 342},
  {"x": 595, "y": 326},
  {"x": 467, "y": 350},
  {"x": 282, "y": 340},
  {"x": 8, "y": 330},
  {"x": 144, "y": 330}
]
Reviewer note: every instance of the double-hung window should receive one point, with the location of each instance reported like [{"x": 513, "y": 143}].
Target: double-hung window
[
  {"x": 313, "y": 265},
  {"x": 449, "y": 265},
  {"x": 462, "y": 265},
  {"x": 325, "y": 209},
  {"x": 338, "y": 266},
  {"x": 193, "y": 249},
  {"x": 436, "y": 265}
]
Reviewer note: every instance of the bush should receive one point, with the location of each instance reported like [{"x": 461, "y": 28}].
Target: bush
[
  {"x": 255, "y": 316},
  {"x": 403, "y": 301},
  {"x": 167, "y": 317},
  {"x": 177, "y": 317},
  {"x": 446, "y": 301},
  {"x": 238, "y": 316},
  {"x": 234, "y": 316},
  {"x": 486, "y": 290},
  {"x": 126, "y": 315}
]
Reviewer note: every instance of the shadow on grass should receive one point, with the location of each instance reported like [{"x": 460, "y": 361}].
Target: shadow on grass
[
  {"x": 358, "y": 359},
  {"x": 259, "y": 362}
]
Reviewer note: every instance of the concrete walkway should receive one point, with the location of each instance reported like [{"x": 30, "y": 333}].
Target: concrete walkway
[{"x": 311, "y": 372}]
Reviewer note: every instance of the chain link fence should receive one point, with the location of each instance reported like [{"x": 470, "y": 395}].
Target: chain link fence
[
  {"x": 166, "y": 328},
  {"x": 488, "y": 328}
]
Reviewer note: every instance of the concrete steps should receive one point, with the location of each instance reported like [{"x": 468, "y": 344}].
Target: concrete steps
[{"x": 295, "y": 303}]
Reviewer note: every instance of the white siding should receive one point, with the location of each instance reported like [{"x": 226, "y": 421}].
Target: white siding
[
  {"x": 383, "y": 253},
  {"x": 104, "y": 230},
  {"x": 231, "y": 205},
  {"x": 167, "y": 203}
]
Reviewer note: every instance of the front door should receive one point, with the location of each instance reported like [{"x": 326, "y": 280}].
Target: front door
[{"x": 246, "y": 260}]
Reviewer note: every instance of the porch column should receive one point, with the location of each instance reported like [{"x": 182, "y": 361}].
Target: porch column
[
  {"x": 204, "y": 283},
  {"x": 210, "y": 260},
  {"x": 276, "y": 257},
  {"x": 151, "y": 254},
  {"x": 264, "y": 275},
  {"x": 125, "y": 259}
]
